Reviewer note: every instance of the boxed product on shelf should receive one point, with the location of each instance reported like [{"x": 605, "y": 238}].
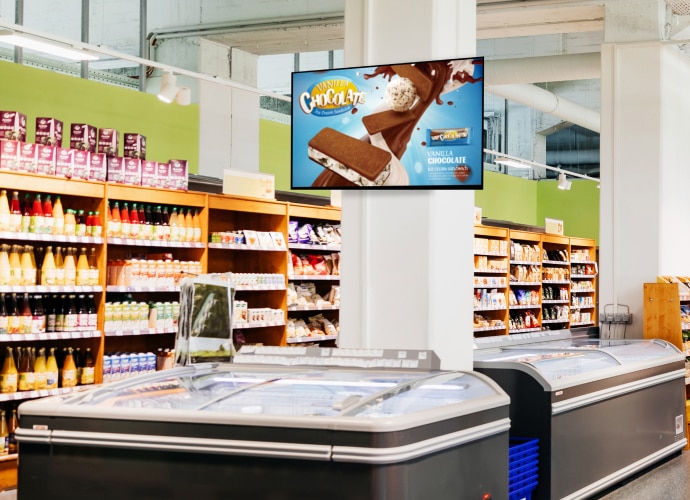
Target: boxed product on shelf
[
  {"x": 134, "y": 146},
  {"x": 82, "y": 163},
  {"x": 178, "y": 177},
  {"x": 162, "y": 175},
  {"x": 239, "y": 311},
  {"x": 27, "y": 161},
  {"x": 9, "y": 154},
  {"x": 13, "y": 125},
  {"x": 48, "y": 131},
  {"x": 132, "y": 171},
  {"x": 116, "y": 169},
  {"x": 45, "y": 159},
  {"x": 108, "y": 141},
  {"x": 98, "y": 167},
  {"x": 148, "y": 173},
  {"x": 64, "y": 162},
  {"x": 83, "y": 136}
]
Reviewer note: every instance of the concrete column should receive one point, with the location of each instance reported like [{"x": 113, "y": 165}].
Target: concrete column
[
  {"x": 408, "y": 266},
  {"x": 645, "y": 230}
]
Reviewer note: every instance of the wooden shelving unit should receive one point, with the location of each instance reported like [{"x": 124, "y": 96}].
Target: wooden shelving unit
[{"x": 491, "y": 265}]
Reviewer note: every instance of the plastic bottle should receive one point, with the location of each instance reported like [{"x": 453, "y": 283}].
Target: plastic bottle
[
  {"x": 12, "y": 425},
  {"x": 134, "y": 222},
  {"x": 26, "y": 319},
  {"x": 8, "y": 374},
  {"x": 115, "y": 221},
  {"x": 15, "y": 265},
  {"x": 51, "y": 370},
  {"x": 125, "y": 226},
  {"x": 40, "y": 369},
  {"x": 59, "y": 267},
  {"x": 15, "y": 213},
  {"x": 69, "y": 370},
  {"x": 4, "y": 435},
  {"x": 83, "y": 272},
  {"x": 58, "y": 217},
  {"x": 13, "y": 319},
  {"x": 48, "y": 269},
  {"x": 70, "y": 223},
  {"x": 39, "y": 315},
  {"x": 36, "y": 223},
  {"x": 48, "y": 221},
  {"x": 28, "y": 263},
  {"x": 4, "y": 211},
  {"x": 3, "y": 315},
  {"x": 196, "y": 226}
]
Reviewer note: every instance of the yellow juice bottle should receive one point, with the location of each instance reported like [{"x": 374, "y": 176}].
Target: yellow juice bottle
[{"x": 51, "y": 370}]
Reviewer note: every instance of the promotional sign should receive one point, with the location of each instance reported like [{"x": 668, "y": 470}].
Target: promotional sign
[{"x": 415, "y": 125}]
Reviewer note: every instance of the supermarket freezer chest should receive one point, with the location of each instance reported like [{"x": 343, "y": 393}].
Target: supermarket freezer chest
[
  {"x": 601, "y": 409},
  {"x": 249, "y": 431}
]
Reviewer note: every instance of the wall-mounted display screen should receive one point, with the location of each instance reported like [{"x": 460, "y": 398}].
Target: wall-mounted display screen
[{"x": 414, "y": 125}]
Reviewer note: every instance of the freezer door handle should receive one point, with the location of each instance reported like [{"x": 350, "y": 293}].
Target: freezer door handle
[{"x": 41, "y": 436}]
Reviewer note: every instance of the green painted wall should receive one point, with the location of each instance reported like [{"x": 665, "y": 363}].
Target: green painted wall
[
  {"x": 577, "y": 207},
  {"x": 508, "y": 198},
  {"x": 171, "y": 130}
]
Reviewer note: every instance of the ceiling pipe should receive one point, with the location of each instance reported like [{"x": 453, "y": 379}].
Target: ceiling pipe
[{"x": 543, "y": 69}]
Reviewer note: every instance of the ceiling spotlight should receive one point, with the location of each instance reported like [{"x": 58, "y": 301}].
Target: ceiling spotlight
[
  {"x": 184, "y": 96},
  {"x": 511, "y": 163},
  {"x": 168, "y": 89},
  {"x": 563, "y": 183}
]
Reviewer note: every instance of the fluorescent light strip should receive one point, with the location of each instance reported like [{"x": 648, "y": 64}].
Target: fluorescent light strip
[
  {"x": 531, "y": 164},
  {"x": 47, "y": 48},
  {"x": 511, "y": 163}
]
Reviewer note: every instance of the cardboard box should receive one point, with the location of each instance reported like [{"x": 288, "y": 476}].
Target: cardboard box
[
  {"x": 243, "y": 183},
  {"x": 98, "y": 167},
  {"x": 27, "y": 157},
  {"x": 132, "y": 171},
  {"x": 116, "y": 169},
  {"x": 45, "y": 159},
  {"x": 83, "y": 136},
  {"x": 108, "y": 141},
  {"x": 48, "y": 132},
  {"x": 82, "y": 162},
  {"x": 64, "y": 162},
  {"x": 9, "y": 154},
  {"x": 13, "y": 126},
  {"x": 179, "y": 176},
  {"x": 134, "y": 146},
  {"x": 148, "y": 173},
  {"x": 163, "y": 175}
]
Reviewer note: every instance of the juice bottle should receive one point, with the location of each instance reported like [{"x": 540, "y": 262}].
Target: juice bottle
[
  {"x": 12, "y": 425},
  {"x": 26, "y": 379},
  {"x": 174, "y": 226},
  {"x": 165, "y": 224},
  {"x": 125, "y": 226},
  {"x": 51, "y": 370},
  {"x": 8, "y": 374},
  {"x": 26, "y": 317},
  {"x": 36, "y": 221},
  {"x": 15, "y": 265},
  {"x": 134, "y": 222},
  {"x": 40, "y": 370},
  {"x": 80, "y": 223},
  {"x": 4, "y": 435},
  {"x": 71, "y": 315},
  {"x": 115, "y": 221},
  {"x": 70, "y": 266},
  {"x": 60, "y": 313},
  {"x": 15, "y": 213},
  {"x": 88, "y": 369},
  {"x": 196, "y": 225},
  {"x": 3, "y": 315},
  {"x": 83, "y": 272},
  {"x": 48, "y": 215},
  {"x": 39, "y": 315},
  {"x": 92, "y": 313},
  {"x": 59, "y": 267},
  {"x": 148, "y": 218},
  {"x": 189, "y": 225},
  {"x": 13, "y": 319},
  {"x": 70, "y": 223},
  {"x": 48, "y": 269},
  {"x": 51, "y": 313},
  {"x": 5, "y": 264},
  {"x": 4, "y": 211},
  {"x": 94, "y": 275},
  {"x": 58, "y": 217},
  {"x": 28, "y": 263},
  {"x": 157, "y": 223},
  {"x": 26, "y": 213},
  {"x": 69, "y": 369},
  {"x": 82, "y": 314},
  {"x": 96, "y": 225}
]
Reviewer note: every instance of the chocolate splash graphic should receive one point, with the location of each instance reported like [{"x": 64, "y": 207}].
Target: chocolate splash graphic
[{"x": 397, "y": 138}]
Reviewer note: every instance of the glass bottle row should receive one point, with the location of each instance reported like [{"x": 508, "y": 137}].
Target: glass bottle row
[
  {"x": 153, "y": 222},
  {"x": 24, "y": 314},
  {"x": 67, "y": 266}
]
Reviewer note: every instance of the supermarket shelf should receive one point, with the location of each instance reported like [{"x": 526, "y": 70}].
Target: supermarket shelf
[
  {"x": 22, "y": 395},
  {"x": 29, "y": 337},
  {"x": 490, "y": 254},
  {"x": 582, "y": 323},
  {"x": 490, "y": 328},
  {"x": 59, "y": 238},
  {"x": 238, "y": 246},
  {"x": 315, "y": 277},
  {"x": 574, "y": 262},
  {"x": 554, "y": 301},
  {"x": 50, "y": 289},
  {"x": 258, "y": 288},
  {"x": 525, "y": 263},
  {"x": 141, "y": 331},
  {"x": 307, "y": 246},
  {"x": 525, "y": 283},
  {"x": 525, "y": 306},
  {"x": 153, "y": 288},
  {"x": 552, "y": 321},
  {"x": 556, "y": 262},
  {"x": 257, "y": 324},
  {"x": 314, "y": 307},
  {"x": 583, "y": 276},
  {"x": 556, "y": 282},
  {"x": 480, "y": 309},
  {"x": 315, "y": 338},
  {"x": 526, "y": 330},
  {"x": 491, "y": 271},
  {"x": 582, "y": 290},
  {"x": 155, "y": 243},
  {"x": 574, "y": 306},
  {"x": 498, "y": 287}
]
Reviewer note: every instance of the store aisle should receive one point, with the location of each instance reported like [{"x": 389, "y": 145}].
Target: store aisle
[{"x": 669, "y": 480}]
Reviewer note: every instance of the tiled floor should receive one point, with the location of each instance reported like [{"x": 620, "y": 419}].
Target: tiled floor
[{"x": 669, "y": 480}]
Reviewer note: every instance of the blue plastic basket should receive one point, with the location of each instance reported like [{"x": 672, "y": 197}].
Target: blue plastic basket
[{"x": 523, "y": 467}]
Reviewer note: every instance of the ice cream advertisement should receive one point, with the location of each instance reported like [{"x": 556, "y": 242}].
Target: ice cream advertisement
[{"x": 414, "y": 125}]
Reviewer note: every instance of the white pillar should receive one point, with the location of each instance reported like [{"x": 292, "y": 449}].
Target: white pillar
[
  {"x": 408, "y": 272},
  {"x": 645, "y": 230}
]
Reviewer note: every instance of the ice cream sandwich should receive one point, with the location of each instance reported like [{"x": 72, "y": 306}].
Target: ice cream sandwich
[
  {"x": 378, "y": 122},
  {"x": 422, "y": 82},
  {"x": 355, "y": 160}
]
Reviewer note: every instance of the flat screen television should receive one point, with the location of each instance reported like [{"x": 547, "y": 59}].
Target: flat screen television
[{"x": 415, "y": 125}]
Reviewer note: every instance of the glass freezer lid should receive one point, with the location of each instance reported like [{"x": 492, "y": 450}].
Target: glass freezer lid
[
  {"x": 626, "y": 351},
  {"x": 293, "y": 392}
]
